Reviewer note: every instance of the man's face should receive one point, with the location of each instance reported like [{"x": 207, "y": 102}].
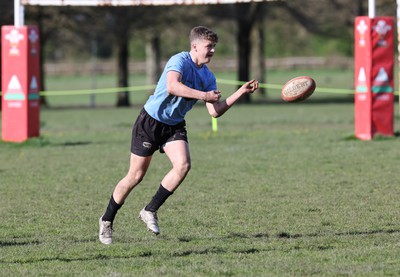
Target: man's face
[{"x": 205, "y": 50}]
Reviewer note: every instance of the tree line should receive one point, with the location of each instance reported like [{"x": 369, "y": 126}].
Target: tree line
[{"x": 249, "y": 31}]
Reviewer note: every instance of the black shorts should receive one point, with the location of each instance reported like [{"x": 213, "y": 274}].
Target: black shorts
[{"x": 150, "y": 135}]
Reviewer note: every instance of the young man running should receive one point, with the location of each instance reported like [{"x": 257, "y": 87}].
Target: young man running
[{"x": 161, "y": 126}]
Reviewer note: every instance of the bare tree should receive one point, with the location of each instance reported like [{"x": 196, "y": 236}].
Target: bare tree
[
  {"x": 258, "y": 57},
  {"x": 58, "y": 26},
  {"x": 122, "y": 27},
  {"x": 247, "y": 14},
  {"x": 169, "y": 24},
  {"x": 153, "y": 58}
]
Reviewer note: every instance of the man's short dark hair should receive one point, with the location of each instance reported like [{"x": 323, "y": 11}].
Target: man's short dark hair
[{"x": 201, "y": 32}]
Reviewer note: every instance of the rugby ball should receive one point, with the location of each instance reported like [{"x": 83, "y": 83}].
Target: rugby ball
[{"x": 298, "y": 89}]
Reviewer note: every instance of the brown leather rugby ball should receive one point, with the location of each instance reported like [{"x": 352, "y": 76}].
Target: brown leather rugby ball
[{"x": 298, "y": 89}]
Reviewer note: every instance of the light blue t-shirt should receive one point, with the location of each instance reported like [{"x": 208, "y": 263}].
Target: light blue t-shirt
[{"x": 170, "y": 109}]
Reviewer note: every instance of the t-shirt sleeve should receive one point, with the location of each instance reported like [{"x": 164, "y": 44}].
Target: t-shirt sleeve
[
  {"x": 212, "y": 82},
  {"x": 175, "y": 63}
]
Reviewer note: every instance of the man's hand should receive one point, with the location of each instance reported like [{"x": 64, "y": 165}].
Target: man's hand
[
  {"x": 218, "y": 108},
  {"x": 249, "y": 87},
  {"x": 212, "y": 96}
]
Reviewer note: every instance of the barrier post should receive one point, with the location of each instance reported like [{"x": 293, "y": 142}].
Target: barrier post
[
  {"x": 20, "y": 83},
  {"x": 374, "y": 82}
]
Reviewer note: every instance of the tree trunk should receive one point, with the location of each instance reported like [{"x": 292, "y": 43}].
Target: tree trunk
[
  {"x": 42, "y": 37},
  {"x": 122, "y": 40},
  {"x": 153, "y": 59},
  {"x": 244, "y": 21},
  {"x": 122, "y": 67},
  {"x": 360, "y": 8},
  {"x": 258, "y": 57}
]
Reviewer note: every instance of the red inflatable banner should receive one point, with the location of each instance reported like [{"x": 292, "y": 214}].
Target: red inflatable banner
[
  {"x": 374, "y": 83},
  {"x": 20, "y": 83}
]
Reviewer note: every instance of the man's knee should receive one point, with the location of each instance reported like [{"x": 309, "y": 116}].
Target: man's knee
[
  {"x": 134, "y": 178},
  {"x": 184, "y": 167}
]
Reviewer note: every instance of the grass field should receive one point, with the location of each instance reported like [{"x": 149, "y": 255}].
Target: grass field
[{"x": 280, "y": 190}]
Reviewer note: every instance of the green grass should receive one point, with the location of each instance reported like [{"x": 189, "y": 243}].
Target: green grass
[{"x": 280, "y": 190}]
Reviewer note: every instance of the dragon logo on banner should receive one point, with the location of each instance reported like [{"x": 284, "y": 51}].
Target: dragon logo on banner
[
  {"x": 14, "y": 37},
  {"x": 381, "y": 28}
]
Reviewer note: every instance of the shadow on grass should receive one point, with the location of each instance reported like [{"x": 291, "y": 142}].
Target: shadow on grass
[
  {"x": 98, "y": 257},
  {"x": 76, "y": 143},
  {"x": 31, "y": 142},
  {"x": 286, "y": 235},
  {"x": 377, "y": 137},
  {"x": 207, "y": 250},
  {"x": 18, "y": 243},
  {"x": 213, "y": 250},
  {"x": 43, "y": 142}
]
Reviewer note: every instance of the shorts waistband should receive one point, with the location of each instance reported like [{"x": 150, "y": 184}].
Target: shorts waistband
[{"x": 181, "y": 124}]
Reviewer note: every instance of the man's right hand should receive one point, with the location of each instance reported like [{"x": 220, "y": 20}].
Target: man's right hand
[{"x": 212, "y": 96}]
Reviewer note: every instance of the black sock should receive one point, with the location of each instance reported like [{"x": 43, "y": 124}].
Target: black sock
[
  {"x": 158, "y": 199},
  {"x": 111, "y": 210}
]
